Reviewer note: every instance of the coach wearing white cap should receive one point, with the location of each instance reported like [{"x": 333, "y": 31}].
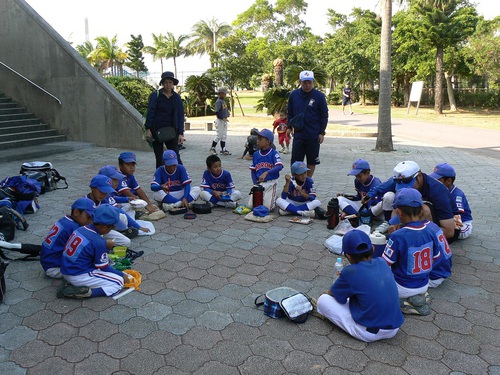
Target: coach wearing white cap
[{"x": 307, "y": 119}]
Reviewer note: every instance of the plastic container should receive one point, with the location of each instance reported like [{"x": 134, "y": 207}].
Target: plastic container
[
  {"x": 378, "y": 241},
  {"x": 120, "y": 251},
  {"x": 365, "y": 215},
  {"x": 339, "y": 266}
]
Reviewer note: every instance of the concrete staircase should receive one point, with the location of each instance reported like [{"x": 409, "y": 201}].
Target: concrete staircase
[
  {"x": 23, "y": 136},
  {"x": 19, "y": 128}
]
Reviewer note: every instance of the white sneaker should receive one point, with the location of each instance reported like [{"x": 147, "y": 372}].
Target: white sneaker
[
  {"x": 167, "y": 206},
  {"x": 231, "y": 204},
  {"x": 383, "y": 228},
  {"x": 282, "y": 149},
  {"x": 213, "y": 151},
  {"x": 283, "y": 212},
  {"x": 309, "y": 213}
]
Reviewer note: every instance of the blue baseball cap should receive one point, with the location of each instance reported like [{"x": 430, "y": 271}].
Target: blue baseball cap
[
  {"x": 170, "y": 158},
  {"x": 84, "y": 204},
  {"x": 443, "y": 170},
  {"x": 106, "y": 214},
  {"x": 407, "y": 197},
  {"x": 266, "y": 133},
  {"x": 299, "y": 167},
  {"x": 261, "y": 211},
  {"x": 111, "y": 172},
  {"x": 356, "y": 242},
  {"x": 103, "y": 183},
  {"x": 128, "y": 157},
  {"x": 358, "y": 166},
  {"x": 405, "y": 174}
]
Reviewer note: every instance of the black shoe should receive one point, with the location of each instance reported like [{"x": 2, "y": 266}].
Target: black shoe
[
  {"x": 132, "y": 255},
  {"x": 131, "y": 232},
  {"x": 320, "y": 213}
]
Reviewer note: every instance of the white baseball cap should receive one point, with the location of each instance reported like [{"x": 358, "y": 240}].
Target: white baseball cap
[
  {"x": 306, "y": 75},
  {"x": 405, "y": 174}
]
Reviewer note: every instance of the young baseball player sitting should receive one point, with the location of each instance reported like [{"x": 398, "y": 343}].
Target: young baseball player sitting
[
  {"x": 363, "y": 301},
  {"x": 363, "y": 182},
  {"x": 441, "y": 269},
  {"x": 217, "y": 185},
  {"x": 100, "y": 189},
  {"x": 172, "y": 185},
  {"x": 411, "y": 251},
  {"x": 85, "y": 263},
  {"x": 53, "y": 245},
  {"x": 250, "y": 145},
  {"x": 299, "y": 195},
  {"x": 129, "y": 187},
  {"x": 446, "y": 174},
  {"x": 266, "y": 167}
]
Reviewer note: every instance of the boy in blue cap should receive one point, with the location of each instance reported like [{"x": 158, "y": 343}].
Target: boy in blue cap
[
  {"x": 411, "y": 252},
  {"x": 85, "y": 264},
  {"x": 446, "y": 174},
  {"x": 363, "y": 183},
  {"x": 172, "y": 185},
  {"x": 363, "y": 301},
  {"x": 266, "y": 166},
  {"x": 53, "y": 245},
  {"x": 299, "y": 194},
  {"x": 129, "y": 186}
]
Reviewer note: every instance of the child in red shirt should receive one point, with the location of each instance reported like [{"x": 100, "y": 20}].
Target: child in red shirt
[{"x": 281, "y": 124}]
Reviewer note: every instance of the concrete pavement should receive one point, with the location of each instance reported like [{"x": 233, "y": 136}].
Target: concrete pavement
[{"x": 195, "y": 311}]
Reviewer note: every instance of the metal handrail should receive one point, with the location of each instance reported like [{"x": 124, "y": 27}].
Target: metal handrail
[{"x": 33, "y": 83}]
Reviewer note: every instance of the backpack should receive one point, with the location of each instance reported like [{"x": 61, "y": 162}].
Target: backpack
[
  {"x": 44, "y": 173},
  {"x": 19, "y": 188},
  {"x": 3, "y": 266},
  {"x": 10, "y": 220}
]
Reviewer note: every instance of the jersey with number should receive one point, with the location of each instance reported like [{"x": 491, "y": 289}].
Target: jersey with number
[
  {"x": 411, "y": 251},
  {"x": 372, "y": 293},
  {"x": 266, "y": 161},
  {"x": 53, "y": 245},
  {"x": 363, "y": 189},
  {"x": 442, "y": 267},
  {"x": 176, "y": 180},
  {"x": 222, "y": 182},
  {"x": 294, "y": 195},
  {"x": 84, "y": 252},
  {"x": 462, "y": 204}
]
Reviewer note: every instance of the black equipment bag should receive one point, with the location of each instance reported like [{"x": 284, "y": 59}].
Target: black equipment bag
[{"x": 44, "y": 173}]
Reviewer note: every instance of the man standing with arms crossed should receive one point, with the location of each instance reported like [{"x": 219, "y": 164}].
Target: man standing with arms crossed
[{"x": 308, "y": 106}]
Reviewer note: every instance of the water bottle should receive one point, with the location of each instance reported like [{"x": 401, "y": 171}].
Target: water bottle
[
  {"x": 338, "y": 268},
  {"x": 365, "y": 215},
  {"x": 332, "y": 213},
  {"x": 257, "y": 195}
]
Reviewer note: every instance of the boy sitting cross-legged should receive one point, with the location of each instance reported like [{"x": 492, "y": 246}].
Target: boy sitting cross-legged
[
  {"x": 172, "y": 185},
  {"x": 217, "y": 185}
]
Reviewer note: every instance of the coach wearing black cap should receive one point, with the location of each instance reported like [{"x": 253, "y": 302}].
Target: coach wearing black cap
[{"x": 165, "y": 116}]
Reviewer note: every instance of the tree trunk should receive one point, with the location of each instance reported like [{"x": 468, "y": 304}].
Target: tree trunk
[
  {"x": 384, "y": 137},
  {"x": 406, "y": 88},
  {"x": 278, "y": 72},
  {"x": 451, "y": 94},
  {"x": 438, "y": 94}
]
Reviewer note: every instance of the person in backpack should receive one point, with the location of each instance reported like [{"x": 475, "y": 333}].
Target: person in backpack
[{"x": 165, "y": 109}]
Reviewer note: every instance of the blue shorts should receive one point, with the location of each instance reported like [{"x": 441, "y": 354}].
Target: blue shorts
[
  {"x": 305, "y": 148},
  {"x": 346, "y": 100}
]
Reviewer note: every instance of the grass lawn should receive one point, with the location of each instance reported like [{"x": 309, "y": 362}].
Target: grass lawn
[{"x": 469, "y": 117}]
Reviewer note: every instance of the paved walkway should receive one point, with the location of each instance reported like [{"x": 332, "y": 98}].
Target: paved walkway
[{"x": 195, "y": 311}]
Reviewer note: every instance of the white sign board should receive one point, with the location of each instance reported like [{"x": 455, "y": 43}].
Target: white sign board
[{"x": 415, "y": 94}]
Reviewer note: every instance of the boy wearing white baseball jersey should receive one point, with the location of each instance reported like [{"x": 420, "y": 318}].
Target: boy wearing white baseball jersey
[
  {"x": 265, "y": 168},
  {"x": 172, "y": 185},
  {"x": 363, "y": 301},
  {"x": 53, "y": 245},
  {"x": 85, "y": 264},
  {"x": 411, "y": 252},
  {"x": 299, "y": 194},
  {"x": 217, "y": 185}
]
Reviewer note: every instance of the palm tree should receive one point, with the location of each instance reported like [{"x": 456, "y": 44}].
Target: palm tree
[
  {"x": 205, "y": 35},
  {"x": 108, "y": 52},
  {"x": 174, "y": 47},
  {"x": 384, "y": 137},
  {"x": 202, "y": 88},
  {"x": 158, "y": 50}
]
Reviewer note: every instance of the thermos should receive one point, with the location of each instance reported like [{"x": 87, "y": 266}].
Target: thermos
[
  {"x": 257, "y": 195},
  {"x": 365, "y": 215},
  {"x": 378, "y": 241},
  {"x": 332, "y": 213}
]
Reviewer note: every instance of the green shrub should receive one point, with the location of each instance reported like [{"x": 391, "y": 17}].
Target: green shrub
[
  {"x": 334, "y": 98},
  {"x": 135, "y": 90},
  {"x": 372, "y": 96}
]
